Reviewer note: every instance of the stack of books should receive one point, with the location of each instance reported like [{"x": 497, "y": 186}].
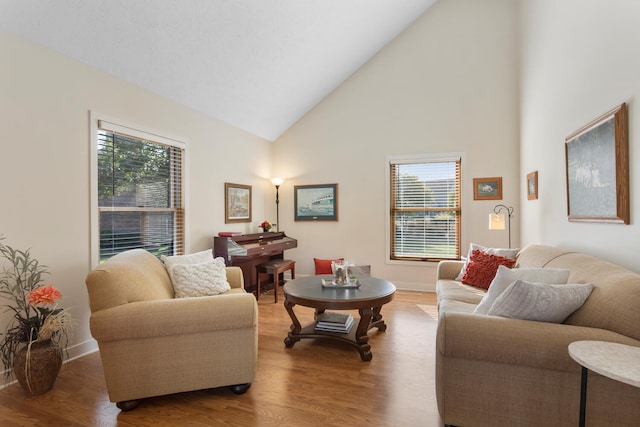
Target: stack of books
[{"x": 334, "y": 322}]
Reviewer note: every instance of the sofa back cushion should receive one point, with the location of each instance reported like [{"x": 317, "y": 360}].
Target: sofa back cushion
[
  {"x": 130, "y": 276},
  {"x": 614, "y": 303}
]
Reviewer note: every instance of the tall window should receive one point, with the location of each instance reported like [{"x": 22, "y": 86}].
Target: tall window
[
  {"x": 140, "y": 191},
  {"x": 425, "y": 209}
]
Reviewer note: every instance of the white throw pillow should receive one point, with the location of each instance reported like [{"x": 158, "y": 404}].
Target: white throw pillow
[
  {"x": 509, "y": 253},
  {"x": 195, "y": 258},
  {"x": 199, "y": 280},
  {"x": 539, "y": 301},
  {"x": 506, "y": 276}
]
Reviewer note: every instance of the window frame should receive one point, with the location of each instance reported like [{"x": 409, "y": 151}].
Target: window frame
[
  {"x": 416, "y": 159},
  {"x": 136, "y": 131}
]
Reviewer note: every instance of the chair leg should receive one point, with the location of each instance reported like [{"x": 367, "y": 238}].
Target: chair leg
[
  {"x": 240, "y": 388},
  {"x": 128, "y": 405},
  {"x": 276, "y": 284},
  {"x": 258, "y": 290}
]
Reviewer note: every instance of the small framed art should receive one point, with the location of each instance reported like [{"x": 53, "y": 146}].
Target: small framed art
[
  {"x": 237, "y": 202},
  {"x": 532, "y": 185},
  {"x": 487, "y": 188},
  {"x": 316, "y": 202}
]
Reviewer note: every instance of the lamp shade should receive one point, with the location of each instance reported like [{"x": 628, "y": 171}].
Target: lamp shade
[
  {"x": 277, "y": 181},
  {"x": 497, "y": 221}
]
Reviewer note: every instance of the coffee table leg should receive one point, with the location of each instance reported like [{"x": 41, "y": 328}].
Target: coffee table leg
[
  {"x": 377, "y": 321},
  {"x": 362, "y": 339},
  {"x": 295, "y": 328}
]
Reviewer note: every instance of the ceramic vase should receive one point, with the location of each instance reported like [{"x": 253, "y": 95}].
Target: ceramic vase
[{"x": 36, "y": 366}]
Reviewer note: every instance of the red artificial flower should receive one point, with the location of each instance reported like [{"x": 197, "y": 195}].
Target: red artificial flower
[{"x": 44, "y": 295}]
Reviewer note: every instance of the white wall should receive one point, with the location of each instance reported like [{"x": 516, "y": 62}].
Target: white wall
[
  {"x": 448, "y": 84},
  {"x": 579, "y": 60},
  {"x": 45, "y": 101}
]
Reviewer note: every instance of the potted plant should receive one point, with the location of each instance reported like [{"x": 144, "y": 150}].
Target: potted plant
[
  {"x": 265, "y": 226},
  {"x": 32, "y": 345}
]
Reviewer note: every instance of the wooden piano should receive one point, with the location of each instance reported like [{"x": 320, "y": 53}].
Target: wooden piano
[{"x": 248, "y": 250}]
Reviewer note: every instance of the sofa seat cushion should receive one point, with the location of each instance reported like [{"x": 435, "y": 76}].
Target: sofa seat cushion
[
  {"x": 456, "y": 291},
  {"x": 454, "y": 306}
]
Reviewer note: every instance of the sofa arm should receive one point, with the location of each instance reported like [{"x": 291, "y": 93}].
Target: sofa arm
[
  {"x": 180, "y": 316},
  {"x": 235, "y": 277},
  {"x": 448, "y": 270},
  {"x": 512, "y": 341}
]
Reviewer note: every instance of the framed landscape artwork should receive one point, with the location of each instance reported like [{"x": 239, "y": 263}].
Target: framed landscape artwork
[
  {"x": 316, "y": 202},
  {"x": 237, "y": 202},
  {"x": 597, "y": 170},
  {"x": 532, "y": 185},
  {"x": 487, "y": 188}
]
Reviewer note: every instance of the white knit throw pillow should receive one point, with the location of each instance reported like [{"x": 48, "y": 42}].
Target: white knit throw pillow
[
  {"x": 539, "y": 301},
  {"x": 198, "y": 280}
]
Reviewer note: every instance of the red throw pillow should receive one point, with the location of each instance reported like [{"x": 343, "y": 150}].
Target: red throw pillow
[
  {"x": 323, "y": 266},
  {"x": 483, "y": 267}
]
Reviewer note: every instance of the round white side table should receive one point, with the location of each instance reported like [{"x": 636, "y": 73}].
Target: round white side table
[{"x": 616, "y": 361}]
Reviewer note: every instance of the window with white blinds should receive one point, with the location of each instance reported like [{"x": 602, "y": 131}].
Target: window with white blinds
[
  {"x": 425, "y": 210},
  {"x": 140, "y": 186}
]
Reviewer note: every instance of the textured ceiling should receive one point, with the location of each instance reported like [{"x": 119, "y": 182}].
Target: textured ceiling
[{"x": 259, "y": 65}]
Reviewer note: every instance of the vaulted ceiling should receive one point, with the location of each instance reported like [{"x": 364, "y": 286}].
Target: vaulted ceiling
[{"x": 259, "y": 65}]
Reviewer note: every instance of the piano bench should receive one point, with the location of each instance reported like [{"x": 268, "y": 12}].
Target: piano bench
[{"x": 275, "y": 267}]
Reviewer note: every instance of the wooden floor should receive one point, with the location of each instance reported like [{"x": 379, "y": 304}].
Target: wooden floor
[{"x": 315, "y": 383}]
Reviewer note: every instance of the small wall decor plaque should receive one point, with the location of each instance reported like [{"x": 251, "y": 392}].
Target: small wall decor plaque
[{"x": 487, "y": 188}]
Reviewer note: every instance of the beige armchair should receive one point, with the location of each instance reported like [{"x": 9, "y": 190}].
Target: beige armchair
[{"x": 153, "y": 344}]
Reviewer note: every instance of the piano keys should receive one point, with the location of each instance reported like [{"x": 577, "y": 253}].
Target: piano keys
[{"x": 248, "y": 250}]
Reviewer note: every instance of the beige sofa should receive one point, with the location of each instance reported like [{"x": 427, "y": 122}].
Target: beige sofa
[
  {"x": 494, "y": 371},
  {"x": 153, "y": 344}
]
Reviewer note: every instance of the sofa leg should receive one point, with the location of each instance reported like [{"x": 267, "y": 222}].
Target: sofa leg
[
  {"x": 240, "y": 388},
  {"x": 128, "y": 405}
]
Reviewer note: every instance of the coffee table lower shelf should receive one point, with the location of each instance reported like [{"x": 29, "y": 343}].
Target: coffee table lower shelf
[{"x": 356, "y": 337}]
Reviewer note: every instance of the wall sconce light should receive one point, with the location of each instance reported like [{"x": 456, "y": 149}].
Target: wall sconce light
[
  {"x": 277, "y": 182},
  {"x": 497, "y": 219}
]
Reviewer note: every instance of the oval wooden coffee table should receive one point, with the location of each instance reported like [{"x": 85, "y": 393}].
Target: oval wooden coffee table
[{"x": 368, "y": 299}]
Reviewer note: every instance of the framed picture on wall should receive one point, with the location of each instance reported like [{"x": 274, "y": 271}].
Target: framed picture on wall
[
  {"x": 316, "y": 202},
  {"x": 237, "y": 202},
  {"x": 487, "y": 188},
  {"x": 597, "y": 170},
  {"x": 532, "y": 185}
]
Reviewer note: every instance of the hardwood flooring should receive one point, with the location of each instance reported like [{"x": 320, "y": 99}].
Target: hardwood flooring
[{"x": 315, "y": 383}]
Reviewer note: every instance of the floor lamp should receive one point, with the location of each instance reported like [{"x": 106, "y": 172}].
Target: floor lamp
[
  {"x": 497, "y": 220},
  {"x": 277, "y": 182}
]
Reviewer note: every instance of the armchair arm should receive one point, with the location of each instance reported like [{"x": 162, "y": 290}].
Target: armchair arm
[{"x": 180, "y": 316}]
